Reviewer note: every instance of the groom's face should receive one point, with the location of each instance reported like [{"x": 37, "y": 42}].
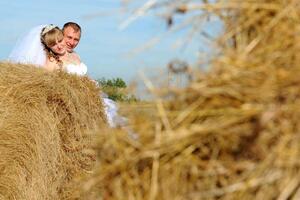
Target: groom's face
[{"x": 71, "y": 38}]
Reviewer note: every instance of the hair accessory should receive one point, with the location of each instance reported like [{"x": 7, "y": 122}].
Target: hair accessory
[{"x": 48, "y": 28}]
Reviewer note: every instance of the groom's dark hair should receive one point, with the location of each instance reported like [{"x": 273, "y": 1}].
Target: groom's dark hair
[{"x": 74, "y": 25}]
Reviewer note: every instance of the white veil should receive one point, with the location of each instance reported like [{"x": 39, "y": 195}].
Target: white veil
[{"x": 29, "y": 49}]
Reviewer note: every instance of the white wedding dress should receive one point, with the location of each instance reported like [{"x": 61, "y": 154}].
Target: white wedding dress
[{"x": 110, "y": 106}]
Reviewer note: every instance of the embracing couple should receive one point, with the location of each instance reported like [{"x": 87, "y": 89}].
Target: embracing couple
[{"x": 50, "y": 47}]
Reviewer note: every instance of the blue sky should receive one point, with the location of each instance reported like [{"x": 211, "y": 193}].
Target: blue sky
[{"x": 103, "y": 47}]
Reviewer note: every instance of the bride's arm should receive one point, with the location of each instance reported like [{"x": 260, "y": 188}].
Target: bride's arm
[{"x": 51, "y": 65}]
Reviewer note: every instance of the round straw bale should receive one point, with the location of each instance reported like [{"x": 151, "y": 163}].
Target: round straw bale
[
  {"x": 46, "y": 125},
  {"x": 233, "y": 133}
]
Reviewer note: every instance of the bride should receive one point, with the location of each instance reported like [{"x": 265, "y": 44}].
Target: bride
[{"x": 44, "y": 46}]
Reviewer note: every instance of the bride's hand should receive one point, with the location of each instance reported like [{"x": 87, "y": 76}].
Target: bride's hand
[{"x": 95, "y": 82}]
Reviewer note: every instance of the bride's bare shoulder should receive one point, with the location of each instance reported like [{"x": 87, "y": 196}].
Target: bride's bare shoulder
[{"x": 51, "y": 65}]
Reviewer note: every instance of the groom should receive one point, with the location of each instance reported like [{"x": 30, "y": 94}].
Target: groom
[{"x": 72, "y": 35}]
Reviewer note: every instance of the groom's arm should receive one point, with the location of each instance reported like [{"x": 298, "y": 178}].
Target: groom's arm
[{"x": 76, "y": 57}]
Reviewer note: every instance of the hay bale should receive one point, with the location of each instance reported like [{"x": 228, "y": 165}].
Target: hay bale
[
  {"x": 46, "y": 121},
  {"x": 233, "y": 133}
]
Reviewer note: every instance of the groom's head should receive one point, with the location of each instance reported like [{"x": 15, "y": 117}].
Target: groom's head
[{"x": 72, "y": 34}]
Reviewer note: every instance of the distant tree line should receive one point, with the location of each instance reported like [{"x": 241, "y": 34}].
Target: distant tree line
[{"x": 115, "y": 88}]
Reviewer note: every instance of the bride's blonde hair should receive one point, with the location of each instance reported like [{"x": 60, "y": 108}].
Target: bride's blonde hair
[{"x": 49, "y": 38}]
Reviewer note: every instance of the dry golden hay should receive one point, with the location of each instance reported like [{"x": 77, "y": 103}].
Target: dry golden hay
[
  {"x": 45, "y": 131},
  {"x": 233, "y": 133}
]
